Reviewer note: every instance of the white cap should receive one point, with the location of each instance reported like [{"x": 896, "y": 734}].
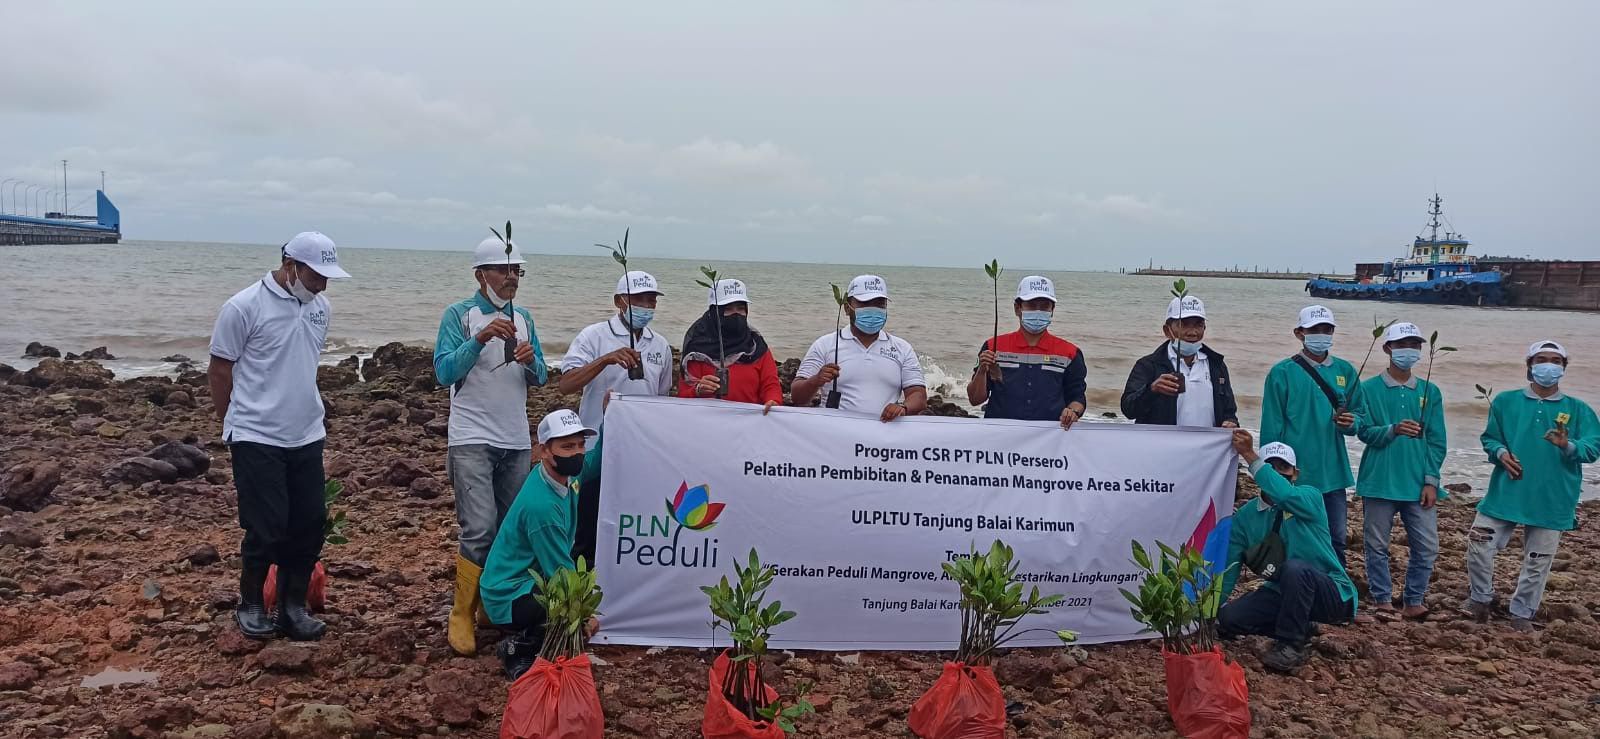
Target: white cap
[
  {"x": 1315, "y": 315},
  {"x": 1036, "y": 286},
  {"x": 637, "y": 282},
  {"x": 1398, "y": 331},
  {"x": 1275, "y": 450},
  {"x": 868, "y": 287},
  {"x": 723, "y": 292},
  {"x": 492, "y": 251},
  {"x": 562, "y": 423},
  {"x": 316, "y": 251},
  {"x": 1187, "y": 306},
  {"x": 1542, "y": 346}
]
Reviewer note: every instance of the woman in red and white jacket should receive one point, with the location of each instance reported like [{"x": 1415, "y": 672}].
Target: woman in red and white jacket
[{"x": 722, "y": 337}]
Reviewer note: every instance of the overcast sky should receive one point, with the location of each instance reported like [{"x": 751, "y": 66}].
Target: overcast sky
[{"x": 1048, "y": 134}]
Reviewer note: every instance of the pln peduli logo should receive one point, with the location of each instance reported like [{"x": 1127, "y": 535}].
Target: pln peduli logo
[{"x": 692, "y": 507}]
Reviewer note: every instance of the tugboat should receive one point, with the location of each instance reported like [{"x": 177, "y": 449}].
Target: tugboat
[{"x": 1436, "y": 271}]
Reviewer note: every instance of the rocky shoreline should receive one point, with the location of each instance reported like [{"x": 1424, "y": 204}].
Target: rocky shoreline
[{"x": 119, "y": 570}]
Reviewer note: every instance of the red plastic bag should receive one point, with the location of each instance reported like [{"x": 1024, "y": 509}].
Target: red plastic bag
[
  {"x": 1207, "y": 695},
  {"x": 316, "y": 594},
  {"x": 722, "y": 720},
  {"x": 554, "y": 700},
  {"x": 964, "y": 703}
]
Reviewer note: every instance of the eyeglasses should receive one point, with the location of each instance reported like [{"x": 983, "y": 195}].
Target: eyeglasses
[{"x": 501, "y": 269}]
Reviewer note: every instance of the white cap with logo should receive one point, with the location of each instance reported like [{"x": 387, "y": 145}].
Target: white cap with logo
[
  {"x": 562, "y": 423},
  {"x": 1547, "y": 346},
  {"x": 1316, "y": 315},
  {"x": 1187, "y": 306},
  {"x": 1036, "y": 286},
  {"x": 868, "y": 287},
  {"x": 492, "y": 251},
  {"x": 723, "y": 292},
  {"x": 1400, "y": 331},
  {"x": 637, "y": 282},
  {"x": 1278, "y": 450},
  {"x": 316, "y": 251}
]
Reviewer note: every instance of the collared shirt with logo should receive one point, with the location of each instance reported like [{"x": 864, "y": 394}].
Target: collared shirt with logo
[
  {"x": 600, "y": 339},
  {"x": 1552, "y": 478},
  {"x": 1038, "y": 380},
  {"x": 1395, "y": 467},
  {"x": 275, "y": 343},
  {"x": 537, "y": 535},
  {"x": 488, "y": 398},
  {"x": 1295, "y": 411},
  {"x": 870, "y": 377}
]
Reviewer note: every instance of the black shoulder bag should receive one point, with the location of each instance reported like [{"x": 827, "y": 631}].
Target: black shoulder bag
[
  {"x": 1266, "y": 557},
  {"x": 1333, "y": 398}
]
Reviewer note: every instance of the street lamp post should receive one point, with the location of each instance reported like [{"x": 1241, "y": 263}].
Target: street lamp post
[
  {"x": 17, "y": 184},
  {"x": 28, "y": 200},
  {"x": 3, "y": 184}
]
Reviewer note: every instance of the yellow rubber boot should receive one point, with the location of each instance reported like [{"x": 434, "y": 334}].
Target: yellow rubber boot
[{"x": 463, "y": 636}]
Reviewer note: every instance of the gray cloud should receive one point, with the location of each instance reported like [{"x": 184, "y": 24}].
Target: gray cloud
[{"x": 1059, "y": 135}]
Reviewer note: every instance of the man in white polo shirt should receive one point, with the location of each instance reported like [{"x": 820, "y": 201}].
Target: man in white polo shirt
[
  {"x": 600, "y": 360},
  {"x": 490, "y": 450},
  {"x": 871, "y": 367},
  {"x": 263, "y": 375}
]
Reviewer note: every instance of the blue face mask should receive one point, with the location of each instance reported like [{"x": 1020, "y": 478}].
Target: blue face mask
[
  {"x": 1405, "y": 358},
  {"x": 1547, "y": 374},
  {"x": 1319, "y": 343},
  {"x": 1188, "y": 348},
  {"x": 1036, "y": 321},
  {"x": 640, "y": 317},
  {"x": 871, "y": 320}
]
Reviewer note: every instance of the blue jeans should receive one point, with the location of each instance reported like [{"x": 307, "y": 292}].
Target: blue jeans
[
  {"x": 1422, "y": 533},
  {"x": 1338, "y": 507},
  {"x": 1304, "y": 594},
  {"x": 486, "y": 480}
]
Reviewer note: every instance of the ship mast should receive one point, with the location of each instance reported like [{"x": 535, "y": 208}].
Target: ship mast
[{"x": 1435, "y": 211}]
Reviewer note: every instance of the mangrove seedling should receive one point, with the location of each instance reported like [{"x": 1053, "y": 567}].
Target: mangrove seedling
[
  {"x": 833, "y": 394},
  {"x": 1178, "y": 599},
  {"x": 571, "y": 599},
  {"x": 620, "y": 254},
  {"x": 1180, "y": 290},
  {"x": 992, "y": 269},
  {"x": 511, "y": 346},
  {"x": 333, "y": 527},
  {"x": 1434, "y": 350},
  {"x": 1485, "y": 393},
  {"x": 740, "y": 608},
  {"x": 1377, "y": 333},
  {"x": 722, "y": 356},
  {"x": 992, "y": 602}
]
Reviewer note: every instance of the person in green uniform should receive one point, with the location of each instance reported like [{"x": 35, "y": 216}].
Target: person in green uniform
[
  {"x": 1538, "y": 438},
  {"x": 1310, "y": 586},
  {"x": 1402, "y": 424},
  {"x": 536, "y": 536},
  {"x": 1298, "y": 411}
]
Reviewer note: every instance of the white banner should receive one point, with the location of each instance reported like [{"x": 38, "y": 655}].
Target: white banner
[{"x": 858, "y": 515}]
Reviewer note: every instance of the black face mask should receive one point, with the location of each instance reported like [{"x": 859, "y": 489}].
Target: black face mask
[
  {"x": 735, "y": 326},
  {"x": 568, "y": 466}
]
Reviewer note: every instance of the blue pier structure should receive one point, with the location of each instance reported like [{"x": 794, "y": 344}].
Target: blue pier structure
[
  {"x": 104, "y": 227},
  {"x": 1436, "y": 271}
]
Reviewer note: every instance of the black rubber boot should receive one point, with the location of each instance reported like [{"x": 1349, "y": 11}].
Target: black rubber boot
[
  {"x": 517, "y": 654},
  {"x": 251, "y": 615},
  {"x": 293, "y": 619}
]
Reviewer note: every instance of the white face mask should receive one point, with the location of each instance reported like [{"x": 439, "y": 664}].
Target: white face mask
[
  {"x": 298, "y": 289},
  {"x": 494, "y": 299}
]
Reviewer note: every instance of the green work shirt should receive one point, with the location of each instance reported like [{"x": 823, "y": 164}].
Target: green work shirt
[
  {"x": 1547, "y": 494},
  {"x": 1395, "y": 467},
  {"x": 536, "y": 536},
  {"x": 1296, "y": 412},
  {"x": 1304, "y": 530}
]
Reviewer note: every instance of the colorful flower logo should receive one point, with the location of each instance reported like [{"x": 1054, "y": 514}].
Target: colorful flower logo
[{"x": 692, "y": 507}]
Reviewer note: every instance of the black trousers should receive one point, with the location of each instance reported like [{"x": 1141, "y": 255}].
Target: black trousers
[
  {"x": 527, "y": 620},
  {"x": 583, "y": 539},
  {"x": 1304, "y": 595},
  {"x": 280, "y": 504}
]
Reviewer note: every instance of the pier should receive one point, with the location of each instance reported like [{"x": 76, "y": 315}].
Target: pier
[
  {"x": 1239, "y": 273},
  {"x": 105, "y": 227}
]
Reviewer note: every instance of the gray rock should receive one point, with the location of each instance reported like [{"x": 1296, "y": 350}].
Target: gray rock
[
  {"x": 26, "y": 486},
  {"x": 38, "y": 350},
  {"x": 318, "y": 721},
  {"x": 138, "y": 471}
]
